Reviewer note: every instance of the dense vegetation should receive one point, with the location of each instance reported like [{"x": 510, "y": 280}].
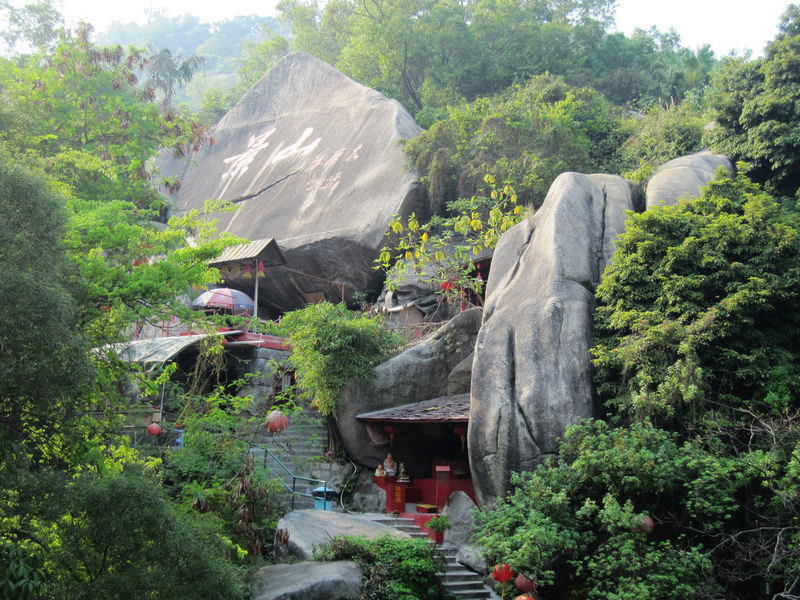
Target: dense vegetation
[
  {"x": 687, "y": 486},
  {"x": 391, "y": 567}
]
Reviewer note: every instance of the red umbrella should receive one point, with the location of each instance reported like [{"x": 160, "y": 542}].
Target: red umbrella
[{"x": 228, "y": 299}]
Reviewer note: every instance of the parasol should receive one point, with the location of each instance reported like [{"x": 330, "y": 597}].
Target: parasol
[{"x": 227, "y": 299}]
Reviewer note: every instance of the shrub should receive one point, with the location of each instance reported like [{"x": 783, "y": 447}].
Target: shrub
[{"x": 392, "y": 567}]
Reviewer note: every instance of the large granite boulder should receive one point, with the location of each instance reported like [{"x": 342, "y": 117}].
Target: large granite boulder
[
  {"x": 339, "y": 580},
  {"x": 684, "y": 177},
  {"x": 310, "y": 158},
  {"x": 300, "y": 531},
  {"x": 428, "y": 370},
  {"x": 531, "y": 375}
]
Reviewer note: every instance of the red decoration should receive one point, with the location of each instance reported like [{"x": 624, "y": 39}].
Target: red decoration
[
  {"x": 277, "y": 421},
  {"x": 646, "y": 525},
  {"x": 446, "y": 286},
  {"x": 154, "y": 429},
  {"x": 525, "y": 597},
  {"x": 392, "y": 430},
  {"x": 461, "y": 432},
  {"x": 502, "y": 573},
  {"x": 260, "y": 269},
  {"x": 525, "y": 583}
]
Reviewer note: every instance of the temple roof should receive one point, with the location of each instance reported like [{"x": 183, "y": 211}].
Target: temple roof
[{"x": 446, "y": 409}]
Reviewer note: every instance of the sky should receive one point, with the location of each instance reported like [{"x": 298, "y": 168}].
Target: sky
[{"x": 728, "y": 25}]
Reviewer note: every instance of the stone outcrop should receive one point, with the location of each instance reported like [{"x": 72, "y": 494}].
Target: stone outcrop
[
  {"x": 309, "y": 528},
  {"x": 459, "y": 509},
  {"x": 531, "y": 376},
  {"x": 309, "y": 158},
  {"x": 684, "y": 177},
  {"x": 430, "y": 369},
  {"x": 319, "y": 580}
]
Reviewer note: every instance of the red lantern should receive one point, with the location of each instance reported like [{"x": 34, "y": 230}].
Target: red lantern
[
  {"x": 646, "y": 525},
  {"x": 461, "y": 432},
  {"x": 154, "y": 429},
  {"x": 502, "y": 573},
  {"x": 277, "y": 421},
  {"x": 525, "y": 583},
  {"x": 525, "y": 597},
  {"x": 392, "y": 430}
]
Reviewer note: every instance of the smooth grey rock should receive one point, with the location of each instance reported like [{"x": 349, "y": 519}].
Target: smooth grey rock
[
  {"x": 312, "y": 159},
  {"x": 684, "y": 177},
  {"x": 531, "y": 376},
  {"x": 471, "y": 557},
  {"x": 337, "y": 580},
  {"x": 420, "y": 373},
  {"x": 367, "y": 496},
  {"x": 459, "y": 508},
  {"x": 460, "y": 378},
  {"x": 310, "y": 528}
]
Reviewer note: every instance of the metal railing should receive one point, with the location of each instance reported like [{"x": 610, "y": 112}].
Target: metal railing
[{"x": 293, "y": 491}]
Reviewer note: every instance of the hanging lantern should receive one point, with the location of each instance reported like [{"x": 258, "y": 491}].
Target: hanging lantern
[
  {"x": 502, "y": 573},
  {"x": 277, "y": 421},
  {"x": 154, "y": 429},
  {"x": 392, "y": 430},
  {"x": 646, "y": 525},
  {"x": 461, "y": 432},
  {"x": 247, "y": 271},
  {"x": 260, "y": 269},
  {"x": 525, "y": 583}
]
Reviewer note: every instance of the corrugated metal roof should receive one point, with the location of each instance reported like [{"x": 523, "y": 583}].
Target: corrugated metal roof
[
  {"x": 155, "y": 350},
  {"x": 266, "y": 249},
  {"x": 447, "y": 409}
]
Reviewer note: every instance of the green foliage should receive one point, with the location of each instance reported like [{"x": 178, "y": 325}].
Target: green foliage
[
  {"x": 528, "y": 135},
  {"x": 22, "y": 576},
  {"x": 38, "y": 312},
  {"x": 331, "y": 345},
  {"x": 696, "y": 358},
  {"x": 443, "y": 249},
  {"x": 439, "y": 524},
  {"x": 756, "y": 109},
  {"x": 664, "y": 134},
  {"x": 93, "y": 127},
  {"x": 392, "y": 567},
  {"x": 118, "y": 536},
  {"x": 699, "y": 305}
]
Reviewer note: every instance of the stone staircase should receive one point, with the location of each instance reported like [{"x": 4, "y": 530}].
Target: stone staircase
[
  {"x": 300, "y": 447},
  {"x": 459, "y": 581}
]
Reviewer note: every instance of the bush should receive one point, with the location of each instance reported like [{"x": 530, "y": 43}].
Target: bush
[
  {"x": 331, "y": 345},
  {"x": 117, "y": 536},
  {"x": 392, "y": 567}
]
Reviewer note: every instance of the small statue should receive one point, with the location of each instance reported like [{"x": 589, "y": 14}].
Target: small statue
[
  {"x": 403, "y": 476},
  {"x": 389, "y": 465},
  {"x": 380, "y": 472}
]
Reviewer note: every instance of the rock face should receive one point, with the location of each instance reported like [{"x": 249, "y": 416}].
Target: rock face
[
  {"x": 309, "y": 528},
  {"x": 322, "y": 581},
  {"x": 428, "y": 370},
  {"x": 684, "y": 177},
  {"x": 531, "y": 375},
  {"x": 310, "y": 158}
]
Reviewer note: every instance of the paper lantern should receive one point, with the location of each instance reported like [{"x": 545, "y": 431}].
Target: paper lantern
[
  {"x": 392, "y": 430},
  {"x": 277, "y": 421},
  {"x": 502, "y": 573},
  {"x": 461, "y": 432},
  {"x": 525, "y": 583},
  {"x": 154, "y": 429}
]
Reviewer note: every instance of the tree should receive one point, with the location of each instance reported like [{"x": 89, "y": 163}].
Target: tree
[
  {"x": 690, "y": 483},
  {"x": 756, "y": 110},
  {"x": 94, "y": 128},
  {"x": 330, "y": 345},
  {"x": 167, "y": 71},
  {"x": 45, "y": 362}
]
